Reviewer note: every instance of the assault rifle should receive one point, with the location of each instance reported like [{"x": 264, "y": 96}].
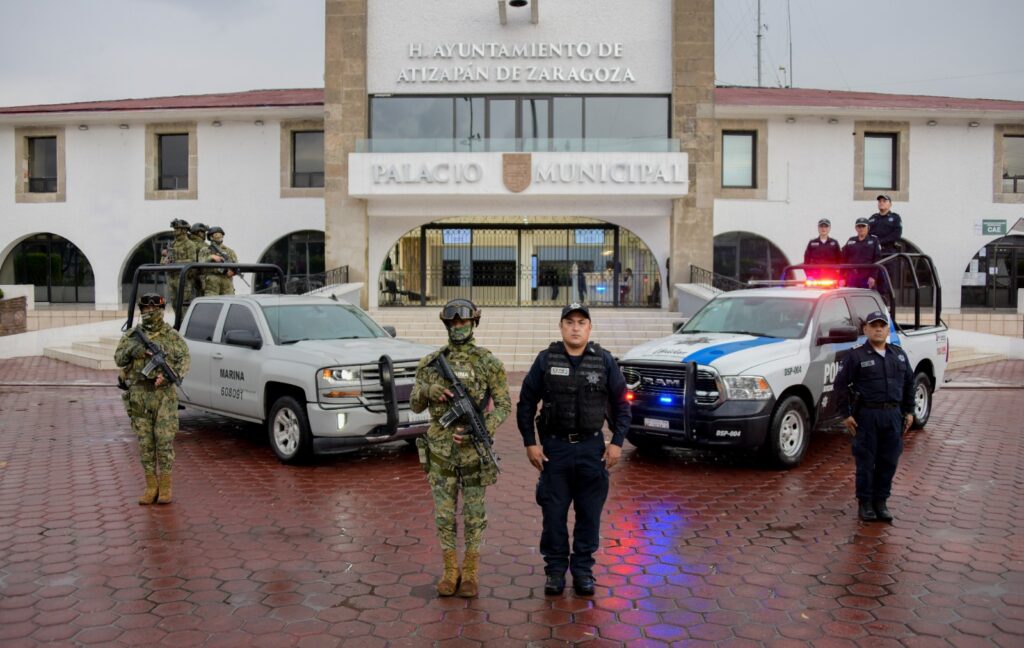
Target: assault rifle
[
  {"x": 157, "y": 360},
  {"x": 463, "y": 407},
  {"x": 223, "y": 255}
]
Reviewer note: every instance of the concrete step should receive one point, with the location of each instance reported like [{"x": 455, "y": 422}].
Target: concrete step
[
  {"x": 81, "y": 358},
  {"x": 98, "y": 347},
  {"x": 963, "y": 358}
]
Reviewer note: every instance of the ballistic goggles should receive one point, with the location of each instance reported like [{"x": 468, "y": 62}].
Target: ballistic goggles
[
  {"x": 152, "y": 299},
  {"x": 459, "y": 310}
]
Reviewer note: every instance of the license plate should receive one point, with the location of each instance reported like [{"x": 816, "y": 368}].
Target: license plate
[
  {"x": 421, "y": 417},
  {"x": 656, "y": 423}
]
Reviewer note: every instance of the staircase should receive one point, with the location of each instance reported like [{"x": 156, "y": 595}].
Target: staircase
[
  {"x": 516, "y": 335},
  {"x": 961, "y": 358},
  {"x": 98, "y": 354}
]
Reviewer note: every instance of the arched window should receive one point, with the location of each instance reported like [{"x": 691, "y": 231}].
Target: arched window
[
  {"x": 301, "y": 256},
  {"x": 744, "y": 256},
  {"x": 147, "y": 252},
  {"x": 55, "y": 265},
  {"x": 994, "y": 274}
]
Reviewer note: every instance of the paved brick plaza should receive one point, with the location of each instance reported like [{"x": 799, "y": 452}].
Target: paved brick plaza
[{"x": 697, "y": 550}]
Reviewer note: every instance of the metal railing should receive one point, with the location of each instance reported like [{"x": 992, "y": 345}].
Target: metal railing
[
  {"x": 523, "y": 144},
  {"x": 703, "y": 277}
]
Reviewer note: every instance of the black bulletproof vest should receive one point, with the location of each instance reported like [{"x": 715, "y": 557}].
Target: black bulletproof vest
[{"x": 576, "y": 399}]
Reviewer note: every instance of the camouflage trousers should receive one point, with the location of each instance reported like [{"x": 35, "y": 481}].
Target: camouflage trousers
[
  {"x": 217, "y": 284},
  {"x": 445, "y": 489},
  {"x": 154, "y": 415}
]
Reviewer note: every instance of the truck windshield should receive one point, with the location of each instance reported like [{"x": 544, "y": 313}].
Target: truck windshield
[
  {"x": 297, "y": 322},
  {"x": 760, "y": 316}
]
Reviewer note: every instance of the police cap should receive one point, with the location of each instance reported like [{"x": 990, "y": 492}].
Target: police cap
[
  {"x": 883, "y": 197},
  {"x": 824, "y": 221},
  {"x": 575, "y": 307},
  {"x": 876, "y": 316},
  {"x": 860, "y": 221}
]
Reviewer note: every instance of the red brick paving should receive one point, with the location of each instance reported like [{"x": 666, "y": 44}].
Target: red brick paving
[{"x": 697, "y": 550}]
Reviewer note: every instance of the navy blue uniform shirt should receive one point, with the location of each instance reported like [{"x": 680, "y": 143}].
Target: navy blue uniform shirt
[
  {"x": 532, "y": 393},
  {"x": 819, "y": 253},
  {"x": 888, "y": 229},
  {"x": 875, "y": 379}
]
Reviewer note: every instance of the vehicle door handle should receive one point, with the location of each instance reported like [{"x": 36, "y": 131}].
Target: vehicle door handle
[{"x": 217, "y": 356}]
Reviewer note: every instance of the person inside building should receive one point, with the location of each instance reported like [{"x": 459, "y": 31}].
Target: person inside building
[
  {"x": 880, "y": 376},
  {"x": 823, "y": 250},
  {"x": 578, "y": 383},
  {"x": 453, "y": 464},
  {"x": 219, "y": 282},
  {"x": 862, "y": 248}
]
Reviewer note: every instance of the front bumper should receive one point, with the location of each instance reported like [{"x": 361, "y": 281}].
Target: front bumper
[
  {"x": 362, "y": 427},
  {"x": 733, "y": 424}
]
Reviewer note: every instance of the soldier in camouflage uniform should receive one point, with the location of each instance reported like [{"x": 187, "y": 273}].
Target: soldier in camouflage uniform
[
  {"x": 453, "y": 463},
  {"x": 179, "y": 252},
  {"x": 197, "y": 238},
  {"x": 219, "y": 282},
  {"x": 152, "y": 403}
]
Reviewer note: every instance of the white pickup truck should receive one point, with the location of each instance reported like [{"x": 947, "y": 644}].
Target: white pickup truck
[{"x": 755, "y": 369}]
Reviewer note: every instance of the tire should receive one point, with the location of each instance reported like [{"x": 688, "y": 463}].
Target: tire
[
  {"x": 789, "y": 433},
  {"x": 642, "y": 444},
  {"x": 288, "y": 430},
  {"x": 922, "y": 400}
]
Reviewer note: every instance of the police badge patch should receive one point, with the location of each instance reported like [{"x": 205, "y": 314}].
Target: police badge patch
[{"x": 593, "y": 378}]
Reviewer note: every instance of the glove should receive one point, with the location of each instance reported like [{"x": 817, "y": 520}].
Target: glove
[{"x": 435, "y": 392}]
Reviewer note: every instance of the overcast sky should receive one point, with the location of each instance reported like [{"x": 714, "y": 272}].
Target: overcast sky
[{"x": 76, "y": 50}]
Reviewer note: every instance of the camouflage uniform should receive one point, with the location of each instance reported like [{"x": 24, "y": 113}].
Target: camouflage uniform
[
  {"x": 153, "y": 410},
  {"x": 458, "y": 467},
  {"x": 181, "y": 252},
  {"x": 196, "y": 277},
  {"x": 216, "y": 282}
]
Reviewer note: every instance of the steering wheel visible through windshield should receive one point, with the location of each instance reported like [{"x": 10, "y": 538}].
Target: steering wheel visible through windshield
[
  {"x": 298, "y": 322},
  {"x": 759, "y": 316}
]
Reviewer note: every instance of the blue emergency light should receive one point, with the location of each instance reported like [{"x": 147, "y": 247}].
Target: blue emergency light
[{"x": 665, "y": 399}]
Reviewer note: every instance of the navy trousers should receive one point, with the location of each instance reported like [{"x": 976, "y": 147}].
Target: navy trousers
[
  {"x": 876, "y": 449},
  {"x": 574, "y": 474}
]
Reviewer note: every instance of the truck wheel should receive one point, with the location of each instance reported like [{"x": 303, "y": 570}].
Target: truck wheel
[
  {"x": 288, "y": 429},
  {"x": 922, "y": 400},
  {"x": 789, "y": 433}
]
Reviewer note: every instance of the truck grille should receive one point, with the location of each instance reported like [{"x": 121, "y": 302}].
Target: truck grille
[
  {"x": 373, "y": 394},
  {"x": 671, "y": 380}
]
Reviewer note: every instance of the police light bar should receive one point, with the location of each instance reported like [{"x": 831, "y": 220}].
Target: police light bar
[{"x": 821, "y": 283}]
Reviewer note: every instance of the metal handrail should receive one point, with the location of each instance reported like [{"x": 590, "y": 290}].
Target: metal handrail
[{"x": 704, "y": 277}]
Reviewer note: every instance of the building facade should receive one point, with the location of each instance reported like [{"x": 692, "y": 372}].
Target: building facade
[{"x": 518, "y": 155}]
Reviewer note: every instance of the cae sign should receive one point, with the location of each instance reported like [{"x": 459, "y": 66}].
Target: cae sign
[{"x": 993, "y": 227}]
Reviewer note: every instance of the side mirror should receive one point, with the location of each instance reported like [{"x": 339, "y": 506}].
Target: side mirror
[
  {"x": 839, "y": 335},
  {"x": 390, "y": 330},
  {"x": 243, "y": 338}
]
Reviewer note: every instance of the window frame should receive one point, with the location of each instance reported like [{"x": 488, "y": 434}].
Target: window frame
[
  {"x": 22, "y": 165},
  {"x": 1001, "y": 131},
  {"x": 311, "y": 174},
  {"x": 759, "y": 129},
  {"x": 153, "y": 133},
  {"x": 160, "y": 147},
  {"x": 894, "y": 162},
  {"x": 288, "y": 130},
  {"x": 752, "y": 134},
  {"x": 901, "y": 159}
]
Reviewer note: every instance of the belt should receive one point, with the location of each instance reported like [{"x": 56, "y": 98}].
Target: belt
[
  {"x": 880, "y": 405},
  {"x": 576, "y": 437}
]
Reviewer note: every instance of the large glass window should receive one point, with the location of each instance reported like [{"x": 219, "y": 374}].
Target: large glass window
[
  {"x": 411, "y": 118},
  {"x": 626, "y": 117},
  {"x": 55, "y": 265},
  {"x": 880, "y": 165},
  {"x": 239, "y": 318},
  {"x": 173, "y": 161},
  {"x": 42, "y": 164},
  {"x": 308, "y": 159},
  {"x": 1013, "y": 163},
  {"x": 301, "y": 256},
  {"x": 759, "y": 316},
  {"x": 739, "y": 155},
  {"x": 469, "y": 123},
  {"x": 834, "y": 314},
  {"x": 745, "y": 256}
]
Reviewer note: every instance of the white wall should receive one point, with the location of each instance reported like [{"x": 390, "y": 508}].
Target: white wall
[
  {"x": 106, "y": 214},
  {"x": 810, "y": 176}
]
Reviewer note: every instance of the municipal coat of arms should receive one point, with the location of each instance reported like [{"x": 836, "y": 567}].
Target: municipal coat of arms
[{"x": 516, "y": 170}]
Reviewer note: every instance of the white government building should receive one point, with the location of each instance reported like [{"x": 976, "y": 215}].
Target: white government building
[{"x": 521, "y": 156}]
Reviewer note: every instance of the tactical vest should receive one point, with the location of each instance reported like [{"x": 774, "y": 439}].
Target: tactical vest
[{"x": 575, "y": 400}]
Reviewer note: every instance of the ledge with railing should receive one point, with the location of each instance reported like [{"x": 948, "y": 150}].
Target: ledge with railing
[
  {"x": 523, "y": 145},
  {"x": 710, "y": 279}
]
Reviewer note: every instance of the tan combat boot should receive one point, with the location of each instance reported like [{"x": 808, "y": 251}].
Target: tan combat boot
[
  {"x": 165, "y": 496},
  {"x": 450, "y": 579},
  {"x": 470, "y": 569},
  {"x": 149, "y": 495}
]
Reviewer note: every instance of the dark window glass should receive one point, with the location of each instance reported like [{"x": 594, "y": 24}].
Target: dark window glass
[
  {"x": 173, "y": 154},
  {"x": 308, "y": 159},
  {"x": 1013, "y": 163},
  {"x": 301, "y": 256},
  {"x": 784, "y": 318},
  {"x": 744, "y": 256},
  {"x": 494, "y": 273},
  {"x": 469, "y": 123},
  {"x": 202, "y": 322},
  {"x": 862, "y": 306},
  {"x": 405, "y": 118},
  {"x": 739, "y": 152},
  {"x": 451, "y": 271},
  {"x": 834, "y": 314},
  {"x": 501, "y": 124},
  {"x": 42, "y": 164},
  {"x": 239, "y": 318},
  {"x": 290, "y": 324},
  {"x": 626, "y": 117},
  {"x": 568, "y": 122},
  {"x": 57, "y": 268},
  {"x": 880, "y": 160},
  {"x": 535, "y": 124}
]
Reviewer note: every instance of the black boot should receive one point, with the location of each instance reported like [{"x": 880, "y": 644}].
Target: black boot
[
  {"x": 882, "y": 511},
  {"x": 554, "y": 585},
  {"x": 583, "y": 584},
  {"x": 866, "y": 512}
]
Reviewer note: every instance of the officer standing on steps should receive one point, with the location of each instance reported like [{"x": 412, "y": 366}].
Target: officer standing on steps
[
  {"x": 580, "y": 385},
  {"x": 823, "y": 249},
  {"x": 875, "y": 390},
  {"x": 452, "y": 462},
  {"x": 152, "y": 402}
]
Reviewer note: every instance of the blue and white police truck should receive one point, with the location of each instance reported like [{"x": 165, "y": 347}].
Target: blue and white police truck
[{"x": 755, "y": 368}]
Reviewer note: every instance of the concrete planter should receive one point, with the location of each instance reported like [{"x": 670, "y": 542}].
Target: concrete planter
[{"x": 13, "y": 315}]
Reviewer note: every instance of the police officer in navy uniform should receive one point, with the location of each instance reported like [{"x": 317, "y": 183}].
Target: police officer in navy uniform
[
  {"x": 880, "y": 376},
  {"x": 886, "y": 225},
  {"x": 823, "y": 249},
  {"x": 862, "y": 248},
  {"x": 580, "y": 385}
]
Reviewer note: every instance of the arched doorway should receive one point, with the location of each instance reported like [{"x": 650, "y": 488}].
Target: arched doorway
[
  {"x": 509, "y": 262},
  {"x": 58, "y": 269},
  {"x": 903, "y": 279},
  {"x": 744, "y": 256},
  {"x": 994, "y": 274},
  {"x": 301, "y": 256},
  {"x": 148, "y": 251}
]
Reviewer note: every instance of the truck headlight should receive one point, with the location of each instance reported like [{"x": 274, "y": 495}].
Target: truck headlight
[
  {"x": 339, "y": 375},
  {"x": 746, "y": 388}
]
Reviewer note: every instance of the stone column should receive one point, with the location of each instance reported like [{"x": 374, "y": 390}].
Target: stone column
[
  {"x": 345, "y": 121},
  {"x": 693, "y": 123}
]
